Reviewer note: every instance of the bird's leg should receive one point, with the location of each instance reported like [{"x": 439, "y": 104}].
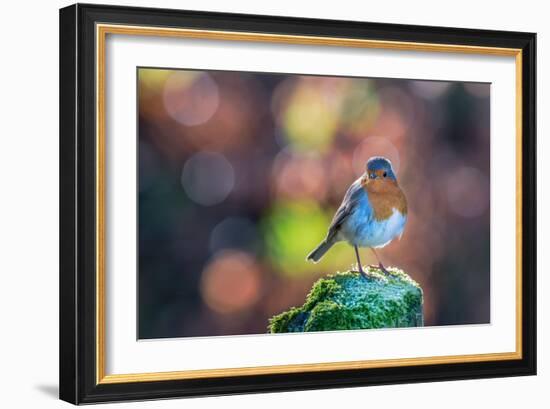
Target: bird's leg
[
  {"x": 380, "y": 265},
  {"x": 377, "y": 259},
  {"x": 359, "y": 266}
]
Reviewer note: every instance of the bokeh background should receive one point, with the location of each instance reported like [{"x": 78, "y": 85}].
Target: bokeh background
[{"x": 240, "y": 174}]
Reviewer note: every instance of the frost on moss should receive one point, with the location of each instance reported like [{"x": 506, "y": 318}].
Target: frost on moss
[{"x": 346, "y": 301}]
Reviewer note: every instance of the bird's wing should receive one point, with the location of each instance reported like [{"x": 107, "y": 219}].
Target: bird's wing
[{"x": 351, "y": 198}]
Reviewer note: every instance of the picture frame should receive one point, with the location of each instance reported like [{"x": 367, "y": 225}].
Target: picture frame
[{"x": 83, "y": 193}]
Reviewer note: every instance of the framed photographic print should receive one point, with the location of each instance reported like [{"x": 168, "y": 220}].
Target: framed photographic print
[{"x": 257, "y": 203}]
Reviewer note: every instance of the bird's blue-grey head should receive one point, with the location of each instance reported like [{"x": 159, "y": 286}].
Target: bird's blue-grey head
[{"x": 380, "y": 167}]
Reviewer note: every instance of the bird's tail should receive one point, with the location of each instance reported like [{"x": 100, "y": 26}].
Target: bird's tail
[{"x": 320, "y": 250}]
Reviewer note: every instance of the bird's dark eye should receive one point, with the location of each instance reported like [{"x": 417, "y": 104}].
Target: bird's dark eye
[{"x": 385, "y": 174}]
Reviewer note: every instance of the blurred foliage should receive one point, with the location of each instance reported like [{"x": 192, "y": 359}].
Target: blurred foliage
[
  {"x": 292, "y": 230},
  {"x": 240, "y": 175}
]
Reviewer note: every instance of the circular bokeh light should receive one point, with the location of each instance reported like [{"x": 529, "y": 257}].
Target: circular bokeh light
[
  {"x": 191, "y": 98},
  {"x": 234, "y": 233},
  {"x": 468, "y": 192},
  {"x": 374, "y": 146},
  {"x": 231, "y": 282},
  {"x": 208, "y": 178}
]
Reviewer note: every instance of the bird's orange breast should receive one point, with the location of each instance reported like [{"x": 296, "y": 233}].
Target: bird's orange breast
[{"x": 384, "y": 196}]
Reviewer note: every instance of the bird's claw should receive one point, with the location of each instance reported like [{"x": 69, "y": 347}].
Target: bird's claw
[
  {"x": 362, "y": 272},
  {"x": 386, "y": 272},
  {"x": 380, "y": 267}
]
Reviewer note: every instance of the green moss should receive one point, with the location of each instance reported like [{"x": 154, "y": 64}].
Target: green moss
[
  {"x": 321, "y": 290},
  {"x": 345, "y": 301},
  {"x": 288, "y": 321},
  {"x": 331, "y": 316}
]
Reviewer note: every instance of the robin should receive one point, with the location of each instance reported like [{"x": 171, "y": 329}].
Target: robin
[{"x": 372, "y": 214}]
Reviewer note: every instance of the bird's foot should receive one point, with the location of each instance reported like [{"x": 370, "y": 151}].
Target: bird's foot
[
  {"x": 362, "y": 272},
  {"x": 380, "y": 267},
  {"x": 386, "y": 272}
]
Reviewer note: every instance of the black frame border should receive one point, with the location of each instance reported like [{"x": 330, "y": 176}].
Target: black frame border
[{"x": 78, "y": 210}]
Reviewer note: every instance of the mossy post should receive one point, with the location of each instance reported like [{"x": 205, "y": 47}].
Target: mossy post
[{"x": 346, "y": 301}]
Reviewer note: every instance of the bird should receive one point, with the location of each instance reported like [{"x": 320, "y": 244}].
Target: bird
[{"x": 372, "y": 214}]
